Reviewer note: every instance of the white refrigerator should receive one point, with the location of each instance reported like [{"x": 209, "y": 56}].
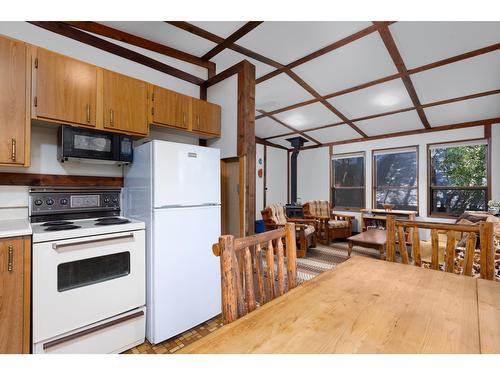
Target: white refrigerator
[{"x": 175, "y": 189}]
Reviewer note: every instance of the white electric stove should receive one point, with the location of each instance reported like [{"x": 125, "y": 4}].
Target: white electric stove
[{"x": 88, "y": 272}]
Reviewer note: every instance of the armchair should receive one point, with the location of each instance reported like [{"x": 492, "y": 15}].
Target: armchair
[
  {"x": 274, "y": 217},
  {"x": 331, "y": 226}
]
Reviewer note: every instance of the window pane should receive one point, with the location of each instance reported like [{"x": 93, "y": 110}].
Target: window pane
[
  {"x": 459, "y": 166},
  {"x": 349, "y": 171},
  {"x": 455, "y": 202},
  {"x": 398, "y": 169},
  {"x": 352, "y": 198},
  {"x": 404, "y": 199}
]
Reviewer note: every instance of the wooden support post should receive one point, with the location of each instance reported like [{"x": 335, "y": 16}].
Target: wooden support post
[{"x": 228, "y": 277}]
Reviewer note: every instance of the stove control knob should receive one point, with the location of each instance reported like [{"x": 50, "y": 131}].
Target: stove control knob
[
  {"x": 115, "y": 200},
  {"x": 106, "y": 200},
  {"x": 63, "y": 201},
  {"x": 49, "y": 202},
  {"x": 38, "y": 202}
]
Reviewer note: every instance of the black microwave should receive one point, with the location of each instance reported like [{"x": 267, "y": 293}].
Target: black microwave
[{"x": 91, "y": 145}]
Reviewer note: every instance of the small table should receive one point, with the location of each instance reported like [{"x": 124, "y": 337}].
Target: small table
[{"x": 373, "y": 239}]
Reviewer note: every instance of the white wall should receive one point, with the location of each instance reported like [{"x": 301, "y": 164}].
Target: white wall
[
  {"x": 259, "y": 181},
  {"x": 225, "y": 93},
  {"x": 313, "y": 166},
  {"x": 276, "y": 175}
]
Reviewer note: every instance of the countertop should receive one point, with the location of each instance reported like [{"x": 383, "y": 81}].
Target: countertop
[{"x": 15, "y": 228}]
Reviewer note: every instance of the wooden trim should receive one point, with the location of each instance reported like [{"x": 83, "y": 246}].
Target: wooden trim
[
  {"x": 109, "y": 32},
  {"x": 88, "y": 331},
  {"x": 390, "y": 44},
  {"x": 374, "y": 173},
  {"x": 264, "y": 182},
  {"x": 460, "y": 125},
  {"x": 487, "y": 135},
  {"x": 231, "y": 39},
  {"x": 288, "y": 176},
  {"x": 32, "y": 179},
  {"x": 91, "y": 40},
  {"x": 27, "y": 296},
  {"x": 242, "y": 196},
  {"x": 430, "y": 187},
  {"x": 331, "y": 47},
  {"x": 235, "y": 69}
]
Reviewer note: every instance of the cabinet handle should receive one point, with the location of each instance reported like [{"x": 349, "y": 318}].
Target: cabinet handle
[
  {"x": 13, "y": 156},
  {"x": 88, "y": 113},
  {"x": 10, "y": 264},
  {"x": 184, "y": 118},
  {"x": 111, "y": 117}
]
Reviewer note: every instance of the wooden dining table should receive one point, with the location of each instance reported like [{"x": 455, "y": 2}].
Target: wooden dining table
[{"x": 367, "y": 305}]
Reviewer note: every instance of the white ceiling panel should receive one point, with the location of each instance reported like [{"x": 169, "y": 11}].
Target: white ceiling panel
[
  {"x": 467, "y": 110},
  {"x": 266, "y": 127},
  {"x": 278, "y": 92},
  {"x": 219, "y": 28},
  {"x": 228, "y": 58},
  {"x": 334, "y": 134},
  {"x": 391, "y": 124},
  {"x": 358, "y": 62},
  {"x": 164, "y": 33},
  {"x": 422, "y": 43},
  {"x": 289, "y": 41},
  {"x": 308, "y": 116},
  {"x": 388, "y": 96},
  {"x": 283, "y": 142},
  {"x": 477, "y": 74}
]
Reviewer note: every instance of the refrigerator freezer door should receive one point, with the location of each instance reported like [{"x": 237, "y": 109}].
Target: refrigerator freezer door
[
  {"x": 186, "y": 274},
  {"x": 185, "y": 175}
]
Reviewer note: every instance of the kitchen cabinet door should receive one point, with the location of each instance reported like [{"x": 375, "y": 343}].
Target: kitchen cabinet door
[
  {"x": 171, "y": 108},
  {"x": 14, "y": 295},
  {"x": 125, "y": 104},
  {"x": 65, "y": 89},
  {"x": 206, "y": 117},
  {"x": 14, "y": 112}
]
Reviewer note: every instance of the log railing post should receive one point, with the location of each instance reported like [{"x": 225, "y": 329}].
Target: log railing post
[
  {"x": 486, "y": 234},
  {"x": 291, "y": 255},
  {"x": 228, "y": 280},
  {"x": 391, "y": 238}
]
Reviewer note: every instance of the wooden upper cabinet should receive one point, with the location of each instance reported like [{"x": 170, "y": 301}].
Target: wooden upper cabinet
[
  {"x": 65, "y": 89},
  {"x": 15, "y": 295},
  {"x": 14, "y": 108},
  {"x": 206, "y": 117},
  {"x": 125, "y": 103},
  {"x": 171, "y": 108}
]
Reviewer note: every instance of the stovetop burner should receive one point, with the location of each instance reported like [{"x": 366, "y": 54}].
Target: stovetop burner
[
  {"x": 55, "y": 223},
  {"x": 111, "y": 221},
  {"x": 62, "y": 227}
]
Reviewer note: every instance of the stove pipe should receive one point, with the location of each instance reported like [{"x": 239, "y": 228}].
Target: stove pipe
[{"x": 297, "y": 143}]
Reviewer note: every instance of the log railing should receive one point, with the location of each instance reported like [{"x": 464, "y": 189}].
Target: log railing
[
  {"x": 244, "y": 275},
  {"x": 396, "y": 238}
]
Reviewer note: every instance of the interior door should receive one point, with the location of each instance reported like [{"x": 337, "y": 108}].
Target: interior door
[
  {"x": 66, "y": 89},
  {"x": 125, "y": 103},
  {"x": 12, "y": 101},
  {"x": 230, "y": 174},
  {"x": 186, "y": 274}
]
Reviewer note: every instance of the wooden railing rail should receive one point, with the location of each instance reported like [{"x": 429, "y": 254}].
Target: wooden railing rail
[{"x": 397, "y": 236}]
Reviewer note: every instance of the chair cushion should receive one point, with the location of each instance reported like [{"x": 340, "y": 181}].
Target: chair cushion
[
  {"x": 309, "y": 229},
  {"x": 338, "y": 224},
  {"x": 278, "y": 214}
]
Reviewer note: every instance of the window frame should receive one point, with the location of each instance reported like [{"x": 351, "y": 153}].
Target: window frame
[
  {"x": 374, "y": 173},
  {"x": 332, "y": 181},
  {"x": 430, "y": 187}
]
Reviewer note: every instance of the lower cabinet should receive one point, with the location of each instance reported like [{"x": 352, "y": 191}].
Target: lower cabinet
[{"x": 15, "y": 275}]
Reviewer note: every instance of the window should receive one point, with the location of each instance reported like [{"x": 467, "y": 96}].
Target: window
[
  {"x": 395, "y": 178},
  {"x": 348, "y": 190},
  {"x": 458, "y": 177}
]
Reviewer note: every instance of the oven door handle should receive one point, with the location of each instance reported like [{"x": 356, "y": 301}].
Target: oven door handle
[{"x": 59, "y": 245}]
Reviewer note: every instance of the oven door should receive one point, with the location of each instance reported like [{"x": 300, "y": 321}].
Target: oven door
[{"x": 81, "y": 281}]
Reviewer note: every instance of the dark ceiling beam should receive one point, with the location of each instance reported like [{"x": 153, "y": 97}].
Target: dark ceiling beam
[
  {"x": 390, "y": 44},
  {"x": 331, "y": 47},
  {"x": 91, "y": 40},
  {"x": 431, "y": 104},
  {"x": 267, "y": 143},
  {"x": 198, "y": 31},
  {"x": 291, "y": 128},
  {"x": 327, "y": 104},
  {"x": 461, "y": 125},
  {"x": 231, "y": 39},
  {"x": 109, "y": 32}
]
